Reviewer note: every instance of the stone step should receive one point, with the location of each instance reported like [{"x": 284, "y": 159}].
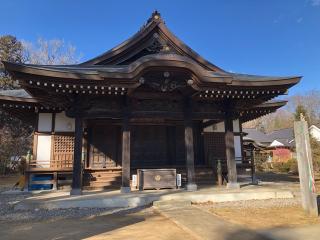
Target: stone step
[{"x": 169, "y": 203}]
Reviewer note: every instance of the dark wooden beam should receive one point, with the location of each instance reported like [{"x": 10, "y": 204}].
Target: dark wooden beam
[
  {"x": 151, "y": 114},
  {"x": 208, "y": 123}
]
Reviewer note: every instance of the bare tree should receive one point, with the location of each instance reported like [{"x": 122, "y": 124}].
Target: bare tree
[
  {"x": 15, "y": 135},
  {"x": 278, "y": 120},
  {"x": 311, "y": 101},
  {"x": 50, "y": 52},
  {"x": 284, "y": 117}
]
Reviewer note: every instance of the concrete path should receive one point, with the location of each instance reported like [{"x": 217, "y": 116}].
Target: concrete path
[
  {"x": 204, "y": 225},
  {"x": 115, "y": 199}
]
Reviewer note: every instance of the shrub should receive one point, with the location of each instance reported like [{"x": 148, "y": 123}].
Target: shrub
[{"x": 286, "y": 167}]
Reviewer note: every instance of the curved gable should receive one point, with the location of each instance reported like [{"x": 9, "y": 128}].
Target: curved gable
[{"x": 153, "y": 38}]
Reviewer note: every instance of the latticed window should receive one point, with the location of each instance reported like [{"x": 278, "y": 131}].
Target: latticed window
[{"x": 63, "y": 146}]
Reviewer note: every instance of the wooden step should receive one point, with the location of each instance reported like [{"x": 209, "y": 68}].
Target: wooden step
[
  {"x": 91, "y": 188},
  {"x": 103, "y": 176},
  {"x": 102, "y": 173},
  {"x": 102, "y": 184},
  {"x": 111, "y": 179},
  {"x": 103, "y": 179}
]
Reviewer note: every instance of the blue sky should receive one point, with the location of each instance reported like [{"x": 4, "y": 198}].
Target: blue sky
[{"x": 274, "y": 37}]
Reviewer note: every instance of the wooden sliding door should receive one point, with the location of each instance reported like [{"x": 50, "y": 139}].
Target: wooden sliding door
[{"x": 104, "y": 146}]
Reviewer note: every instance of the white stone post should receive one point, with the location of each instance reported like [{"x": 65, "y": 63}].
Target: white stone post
[{"x": 304, "y": 158}]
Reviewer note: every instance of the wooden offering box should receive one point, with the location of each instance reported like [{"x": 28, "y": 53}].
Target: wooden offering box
[{"x": 156, "y": 178}]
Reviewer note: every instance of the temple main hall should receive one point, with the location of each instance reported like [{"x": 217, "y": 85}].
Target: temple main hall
[{"x": 139, "y": 115}]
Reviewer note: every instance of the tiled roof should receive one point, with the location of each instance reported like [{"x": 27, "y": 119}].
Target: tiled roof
[{"x": 15, "y": 93}]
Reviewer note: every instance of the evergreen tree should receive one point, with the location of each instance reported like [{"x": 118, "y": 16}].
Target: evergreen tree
[
  {"x": 11, "y": 50},
  {"x": 15, "y": 135},
  {"x": 300, "y": 109},
  {"x": 315, "y": 149}
]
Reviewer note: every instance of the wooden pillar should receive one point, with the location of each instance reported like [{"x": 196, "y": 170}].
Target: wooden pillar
[
  {"x": 125, "y": 187},
  {"x": 189, "y": 147},
  {"x": 253, "y": 167},
  {"x": 85, "y": 145},
  {"x": 199, "y": 147},
  {"x": 230, "y": 153},
  {"x": 77, "y": 158},
  {"x": 171, "y": 145}
]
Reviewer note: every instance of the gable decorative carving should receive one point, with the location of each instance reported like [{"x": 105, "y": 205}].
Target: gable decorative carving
[
  {"x": 154, "y": 45},
  {"x": 158, "y": 45}
]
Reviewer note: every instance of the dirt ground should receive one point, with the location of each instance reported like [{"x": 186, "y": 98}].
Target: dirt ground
[
  {"x": 264, "y": 218},
  {"x": 84, "y": 224},
  {"x": 267, "y": 214},
  {"x": 145, "y": 223},
  {"x": 285, "y": 177},
  {"x": 7, "y": 182},
  {"x": 142, "y": 224}
]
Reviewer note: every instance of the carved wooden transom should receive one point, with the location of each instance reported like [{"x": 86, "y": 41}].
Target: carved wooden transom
[{"x": 165, "y": 81}]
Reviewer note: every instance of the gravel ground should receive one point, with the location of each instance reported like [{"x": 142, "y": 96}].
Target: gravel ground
[
  {"x": 8, "y": 214},
  {"x": 276, "y": 203}
]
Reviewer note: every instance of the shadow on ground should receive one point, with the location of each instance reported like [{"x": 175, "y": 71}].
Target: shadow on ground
[
  {"x": 277, "y": 177},
  {"x": 246, "y": 235},
  {"x": 71, "y": 228}
]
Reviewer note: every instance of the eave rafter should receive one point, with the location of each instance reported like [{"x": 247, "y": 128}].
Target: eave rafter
[
  {"x": 208, "y": 84},
  {"x": 77, "y": 88},
  {"x": 26, "y": 104},
  {"x": 245, "y": 94},
  {"x": 259, "y": 110}
]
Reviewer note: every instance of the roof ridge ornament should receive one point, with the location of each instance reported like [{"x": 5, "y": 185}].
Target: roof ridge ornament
[{"x": 155, "y": 16}]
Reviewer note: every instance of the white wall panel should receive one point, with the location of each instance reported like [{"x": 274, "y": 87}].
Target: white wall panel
[
  {"x": 63, "y": 123},
  {"x": 236, "y": 126},
  {"x": 44, "y": 150},
  {"x": 315, "y": 132},
  {"x": 237, "y": 147},
  {"x": 45, "y": 122},
  {"x": 218, "y": 127}
]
